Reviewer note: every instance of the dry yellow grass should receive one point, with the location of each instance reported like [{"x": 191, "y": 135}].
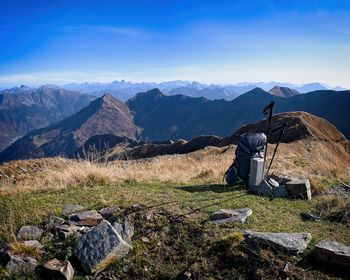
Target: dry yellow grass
[
  {"x": 25, "y": 249},
  {"x": 317, "y": 160}
]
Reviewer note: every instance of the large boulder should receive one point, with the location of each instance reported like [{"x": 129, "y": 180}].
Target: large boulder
[
  {"x": 331, "y": 252},
  {"x": 126, "y": 231},
  {"x": 298, "y": 188},
  {"x": 20, "y": 264},
  {"x": 71, "y": 208},
  {"x": 57, "y": 270},
  {"x": 29, "y": 233},
  {"x": 227, "y": 216},
  {"x": 293, "y": 243},
  {"x": 86, "y": 218},
  {"x": 100, "y": 247},
  {"x": 53, "y": 222}
]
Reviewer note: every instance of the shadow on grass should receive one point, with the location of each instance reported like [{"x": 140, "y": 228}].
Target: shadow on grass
[{"x": 218, "y": 188}]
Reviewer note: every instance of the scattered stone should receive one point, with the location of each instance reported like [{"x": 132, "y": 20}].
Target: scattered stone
[
  {"x": 227, "y": 216},
  {"x": 86, "y": 218},
  {"x": 109, "y": 211},
  {"x": 126, "y": 231},
  {"x": 64, "y": 231},
  {"x": 145, "y": 239},
  {"x": 29, "y": 233},
  {"x": 53, "y": 222},
  {"x": 299, "y": 188},
  {"x": 187, "y": 275},
  {"x": 19, "y": 264},
  {"x": 332, "y": 253},
  {"x": 286, "y": 267},
  {"x": 23, "y": 170},
  {"x": 71, "y": 209},
  {"x": 100, "y": 247},
  {"x": 310, "y": 217},
  {"x": 56, "y": 269},
  {"x": 126, "y": 268},
  {"x": 293, "y": 243}
]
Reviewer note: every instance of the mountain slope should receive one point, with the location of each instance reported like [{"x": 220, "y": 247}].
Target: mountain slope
[
  {"x": 300, "y": 126},
  {"x": 105, "y": 115},
  {"x": 25, "y": 109},
  {"x": 283, "y": 91}
]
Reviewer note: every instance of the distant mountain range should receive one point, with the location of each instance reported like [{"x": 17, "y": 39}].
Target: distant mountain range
[
  {"x": 154, "y": 116},
  {"x": 123, "y": 90},
  {"x": 163, "y": 117},
  {"x": 24, "y": 109}
]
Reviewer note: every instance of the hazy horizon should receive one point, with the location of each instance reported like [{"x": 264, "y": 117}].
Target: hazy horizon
[{"x": 212, "y": 42}]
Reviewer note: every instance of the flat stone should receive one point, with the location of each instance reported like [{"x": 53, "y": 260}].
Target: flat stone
[
  {"x": 293, "y": 243},
  {"x": 53, "y": 222},
  {"x": 331, "y": 252},
  {"x": 100, "y": 247},
  {"x": 56, "y": 269},
  {"x": 86, "y": 218},
  {"x": 298, "y": 188},
  {"x": 126, "y": 231},
  {"x": 19, "y": 264},
  {"x": 71, "y": 209},
  {"x": 227, "y": 216},
  {"x": 29, "y": 233}
]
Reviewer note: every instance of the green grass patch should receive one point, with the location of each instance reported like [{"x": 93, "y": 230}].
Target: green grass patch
[{"x": 182, "y": 240}]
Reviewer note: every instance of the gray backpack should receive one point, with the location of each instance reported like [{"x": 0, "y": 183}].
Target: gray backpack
[{"x": 250, "y": 145}]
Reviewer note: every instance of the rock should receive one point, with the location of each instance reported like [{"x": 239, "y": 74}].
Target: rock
[
  {"x": 20, "y": 265},
  {"x": 71, "y": 209},
  {"x": 4, "y": 258},
  {"x": 56, "y": 269},
  {"x": 332, "y": 253},
  {"x": 53, "y": 222},
  {"x": 100, "y": 247},
  {"x": 298, "y": 188},
  {"x": 263, "y": 189},
  {"x": 145, "y": 239},
  {"x": 23, "y": 170},
  {"x": 280, "y": 192},
  {"x": 227, "y": 216},
  {"x": 271, "y": 188},
  {"x": 310, "y": 217},
  {"x": 126, "y": 231},
  {"x": 109, "y": 211},
  {"x": 293, "y": 243},
  {"x": 29, "y": 233},
  {"x": 86, "y": 218},
  {"x": 64, "y": 231}
]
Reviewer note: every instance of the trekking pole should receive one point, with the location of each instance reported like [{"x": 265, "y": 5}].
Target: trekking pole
[
  {"x": 281, "y": 129},
  {"x": 268, "y": 110}
]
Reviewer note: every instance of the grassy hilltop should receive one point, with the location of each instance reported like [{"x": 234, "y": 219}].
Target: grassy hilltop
[{"x": 177, "y": 195}]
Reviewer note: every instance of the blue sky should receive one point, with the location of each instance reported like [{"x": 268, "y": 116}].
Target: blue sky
[{"x": 208, "y": 41}]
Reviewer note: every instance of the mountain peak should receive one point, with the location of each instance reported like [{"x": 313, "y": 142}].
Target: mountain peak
[{"x": 283, "y": 91}]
